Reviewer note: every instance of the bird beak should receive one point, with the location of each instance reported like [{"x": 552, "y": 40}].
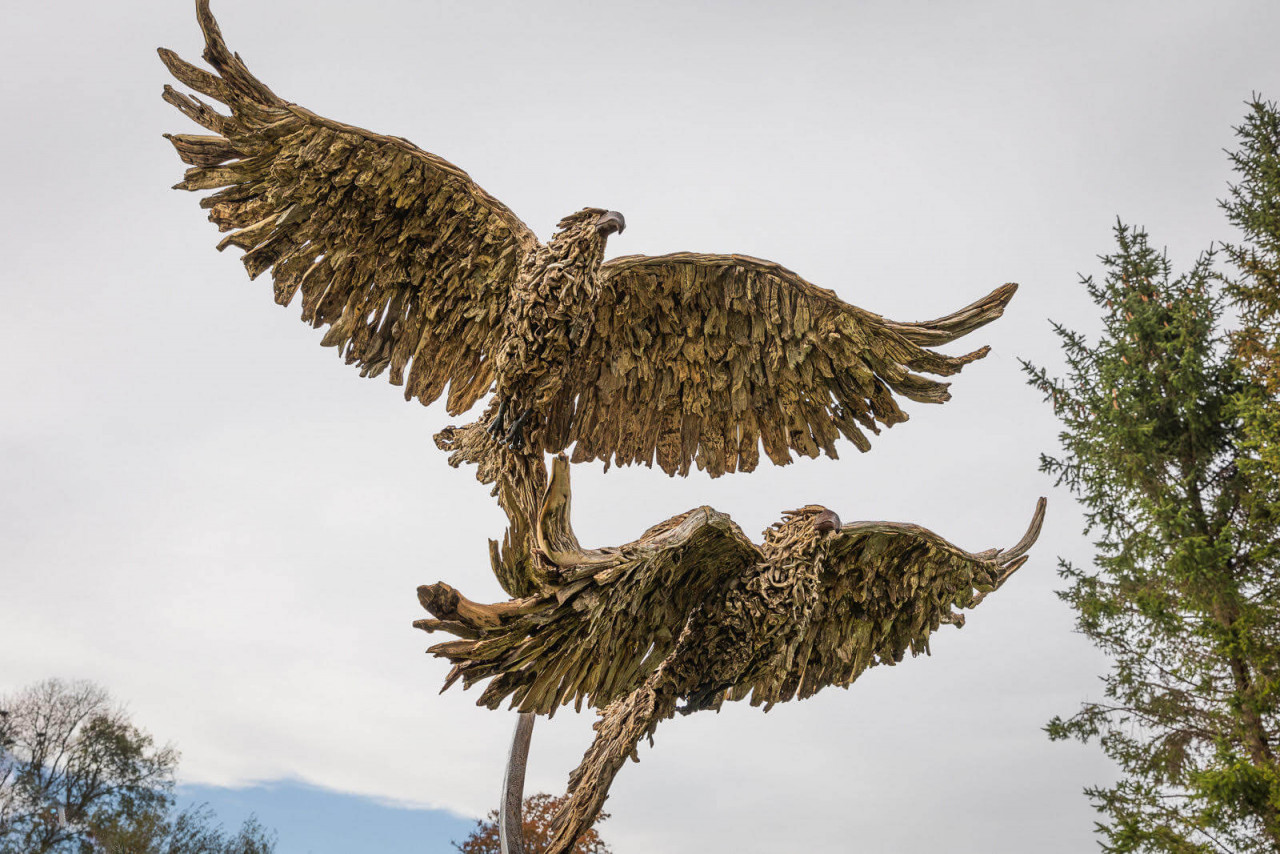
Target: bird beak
[
  {"x": 827, "y": 521},
  {"x": 609, "y": 223}
]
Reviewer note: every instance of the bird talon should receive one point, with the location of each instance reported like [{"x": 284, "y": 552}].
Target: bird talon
[
  {"x": 515, "y": 436},
  {"x": 497, "y": 427}
]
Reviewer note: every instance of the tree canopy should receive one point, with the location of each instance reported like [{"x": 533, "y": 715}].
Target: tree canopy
[
  {"x": 1168, "y": 441},
  {"x": 1253, "y": 206},
  {"x": 77, "y": 777}
]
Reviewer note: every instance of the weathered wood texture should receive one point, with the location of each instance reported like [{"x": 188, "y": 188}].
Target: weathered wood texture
[
  {"x": 694, "y": 612},
  {"x": 684, "y": 359},
  {"x": 702, "y": 360},
  {"x": 518, "y": 481},
  {"x": 397, "y": 251}
]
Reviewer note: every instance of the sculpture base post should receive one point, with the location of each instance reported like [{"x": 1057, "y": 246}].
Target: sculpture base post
[{"x": 511, "y": 813}]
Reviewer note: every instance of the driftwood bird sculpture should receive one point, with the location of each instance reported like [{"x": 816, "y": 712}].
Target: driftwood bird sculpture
[
  {"x": 419, "y": 273},
  {"x": 694, "y": 613}
]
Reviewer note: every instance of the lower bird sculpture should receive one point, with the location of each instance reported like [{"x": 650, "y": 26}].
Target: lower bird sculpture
[{"x": 694, "y": 613}]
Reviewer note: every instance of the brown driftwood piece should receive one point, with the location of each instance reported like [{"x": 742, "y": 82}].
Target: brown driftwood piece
[
  {"x": 685, "y": 359},
  {"x": 518, "y": 481},
  {"x": 695, "y": 613}
]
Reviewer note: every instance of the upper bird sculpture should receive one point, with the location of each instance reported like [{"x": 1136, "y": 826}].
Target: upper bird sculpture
[
  {"x": 684, "y": 359},
  {"x": 694, "y": 613}
]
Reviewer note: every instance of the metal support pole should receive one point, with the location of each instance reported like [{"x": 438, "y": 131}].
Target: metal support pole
[{"x": 510, "y": 813}]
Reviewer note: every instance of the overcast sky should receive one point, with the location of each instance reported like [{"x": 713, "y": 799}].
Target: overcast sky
[{"x": 210, "y": 515}]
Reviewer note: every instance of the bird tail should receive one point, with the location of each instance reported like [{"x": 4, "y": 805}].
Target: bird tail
[
  {"x": 618, "y": 732},
  {"x": 930, "y": 333}
]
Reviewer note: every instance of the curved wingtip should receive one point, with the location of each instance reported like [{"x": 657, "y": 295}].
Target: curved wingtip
[
  {"x": 227, "y": 63},
  {"x": 209, "y": 25},
  {"x": 997, "y": 301},
  {"x": 943, "y": 330},
  {"x": 1005, "y": 292},
  {"x": 1029, "y": 538}
]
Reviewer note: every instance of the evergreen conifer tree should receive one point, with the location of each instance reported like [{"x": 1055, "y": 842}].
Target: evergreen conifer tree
[{"x": 1170, "y": 427}]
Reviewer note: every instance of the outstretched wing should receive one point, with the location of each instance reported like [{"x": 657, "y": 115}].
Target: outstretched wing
[
  {"x": 887, "y": 587},
  {"x": 406, "y": 260},
  {"x": 701, "y": 358},
  {"x": 606, "y": 619}
]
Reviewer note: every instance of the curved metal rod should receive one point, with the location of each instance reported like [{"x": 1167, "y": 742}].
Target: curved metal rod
[{"x": 510, "y": 811}]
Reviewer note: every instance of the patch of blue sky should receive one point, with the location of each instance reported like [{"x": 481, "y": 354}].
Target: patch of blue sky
[{"x": 312, "y": 820}]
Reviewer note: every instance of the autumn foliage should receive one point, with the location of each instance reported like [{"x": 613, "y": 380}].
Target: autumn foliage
[{"x": 538, "y": 812}]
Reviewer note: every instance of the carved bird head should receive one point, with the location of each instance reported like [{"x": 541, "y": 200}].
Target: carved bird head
[
  {"x": 812, "y": 518},
  {"x": 826, "y": 521},
  {"x": 589, "y": 223}
]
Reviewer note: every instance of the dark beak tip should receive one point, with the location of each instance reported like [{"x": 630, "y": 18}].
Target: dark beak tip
[
  {"x": 611, "y": 222},
  {"x": 828, "y": 521}
]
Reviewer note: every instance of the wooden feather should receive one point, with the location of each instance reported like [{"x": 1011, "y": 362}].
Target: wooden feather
[
  {"x": 357, "y": 221},
  {"x": 730, "y": 340}
]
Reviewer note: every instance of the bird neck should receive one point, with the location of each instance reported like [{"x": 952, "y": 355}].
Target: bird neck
[
  {"x": 795, "y": 556},
  {"x": 579, "y": 248},
  {"x": 794, "y": 537}
]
